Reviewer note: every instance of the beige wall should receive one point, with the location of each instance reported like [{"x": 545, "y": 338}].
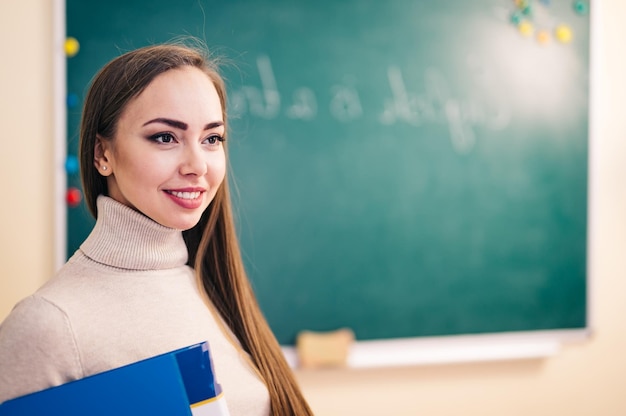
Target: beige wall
[
  {"x": 584, "y": 379},
  {"x": 26, "y": 219}
]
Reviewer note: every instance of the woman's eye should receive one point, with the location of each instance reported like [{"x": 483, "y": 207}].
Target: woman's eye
[
  {"x": 164, "y": 138},
  {"x": 214, "y": 138}
]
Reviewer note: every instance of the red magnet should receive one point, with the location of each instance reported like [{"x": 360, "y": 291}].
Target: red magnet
[{"x": 73, "y": 197}]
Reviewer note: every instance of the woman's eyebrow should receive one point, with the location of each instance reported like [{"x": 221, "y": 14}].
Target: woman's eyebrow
[
  {"x": 181, "y": 125},
  {"x": 214, "y": 125},
  {"x": 173, "y": 123}
]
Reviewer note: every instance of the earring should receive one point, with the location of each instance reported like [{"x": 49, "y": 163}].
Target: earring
[{"x": 104, "y": 168}]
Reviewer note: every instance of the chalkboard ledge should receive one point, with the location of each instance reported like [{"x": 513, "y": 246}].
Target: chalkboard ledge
[{"x": 455, "y": 349}]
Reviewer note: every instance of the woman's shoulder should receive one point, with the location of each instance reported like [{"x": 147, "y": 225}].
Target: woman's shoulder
[
  {"x": 37, "y": 348},
  {"x": 37, "y": 322},
  {"x": 34, "y": 317}
]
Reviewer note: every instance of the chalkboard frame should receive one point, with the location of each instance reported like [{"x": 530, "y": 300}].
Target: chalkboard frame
[{"x": 524, "y": 344}]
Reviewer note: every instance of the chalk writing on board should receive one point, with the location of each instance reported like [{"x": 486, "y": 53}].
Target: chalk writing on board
[{"x": 435, "y": 104}]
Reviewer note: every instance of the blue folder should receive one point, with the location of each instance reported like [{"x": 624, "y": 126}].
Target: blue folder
[{"x": 168, "y": 384}]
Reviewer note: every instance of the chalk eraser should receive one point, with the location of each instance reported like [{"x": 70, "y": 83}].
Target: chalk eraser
[{"x": 324, "y": 349}]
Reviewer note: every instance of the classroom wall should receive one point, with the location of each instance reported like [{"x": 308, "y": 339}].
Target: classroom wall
[
  {"x": 586, "y": 378},
  {"x": 26, "y": 220}
]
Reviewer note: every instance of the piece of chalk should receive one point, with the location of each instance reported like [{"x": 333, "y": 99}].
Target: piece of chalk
[{"x": 324, "y": 349}]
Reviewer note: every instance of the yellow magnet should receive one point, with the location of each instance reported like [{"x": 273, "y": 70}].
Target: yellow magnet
[
  {"x": 563, "y": 33},
  {"x": 526, "y": 28},
  {"x": 71, "y": 47}
]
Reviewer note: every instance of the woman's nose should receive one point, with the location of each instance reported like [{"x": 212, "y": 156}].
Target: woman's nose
[{"x": 194, "y": 161}]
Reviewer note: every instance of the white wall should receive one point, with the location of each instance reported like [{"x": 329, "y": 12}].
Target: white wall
[{"x": 584, "y": 379}]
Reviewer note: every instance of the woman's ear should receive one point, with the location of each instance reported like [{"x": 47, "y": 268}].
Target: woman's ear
[{"x": 101, "y": 154}]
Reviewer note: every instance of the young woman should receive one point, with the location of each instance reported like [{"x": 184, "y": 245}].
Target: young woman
[{"x": 161, "y": 269}]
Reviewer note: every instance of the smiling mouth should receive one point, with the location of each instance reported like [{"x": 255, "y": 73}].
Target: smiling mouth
[{"x": 185, "y": 195}]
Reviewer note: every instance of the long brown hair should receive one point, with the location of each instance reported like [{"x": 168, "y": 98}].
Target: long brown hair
[{"x": 212, "y": 244}]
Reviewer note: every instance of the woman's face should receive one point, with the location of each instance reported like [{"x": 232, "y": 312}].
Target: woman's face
[{"x": 167, "y": 159}]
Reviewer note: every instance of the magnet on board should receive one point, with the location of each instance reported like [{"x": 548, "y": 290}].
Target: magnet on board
[
  {"x": 72, "y": 100},
  {"x": 581, "y": 7},
  {"x": 526, "y": 28},
  {"x": 71, "y": 165},
  {"x": 71, "y": 47},
  {"x": 73, "y": 197},
  {"x": 563, "y": 33}
]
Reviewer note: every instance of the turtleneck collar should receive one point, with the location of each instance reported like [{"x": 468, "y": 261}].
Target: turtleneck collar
[{"x": 127, "y": 239}]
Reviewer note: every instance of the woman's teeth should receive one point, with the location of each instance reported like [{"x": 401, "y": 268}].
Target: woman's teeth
[{"x": 185, "y": 195}]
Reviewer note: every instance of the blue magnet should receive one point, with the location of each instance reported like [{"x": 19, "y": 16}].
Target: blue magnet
[
  {"x": 72, "y": 100},
  {"x": 71, "y": 165}
]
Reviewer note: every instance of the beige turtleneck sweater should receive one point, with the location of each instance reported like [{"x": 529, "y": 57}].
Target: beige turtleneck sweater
[{"x": 126, "y": 295}]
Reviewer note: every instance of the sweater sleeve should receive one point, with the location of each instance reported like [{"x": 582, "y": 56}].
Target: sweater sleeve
[{"x": 37, "y": 349}]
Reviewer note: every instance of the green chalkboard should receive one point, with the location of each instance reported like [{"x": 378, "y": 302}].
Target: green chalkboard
[{"x": 404, "y": 168}]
